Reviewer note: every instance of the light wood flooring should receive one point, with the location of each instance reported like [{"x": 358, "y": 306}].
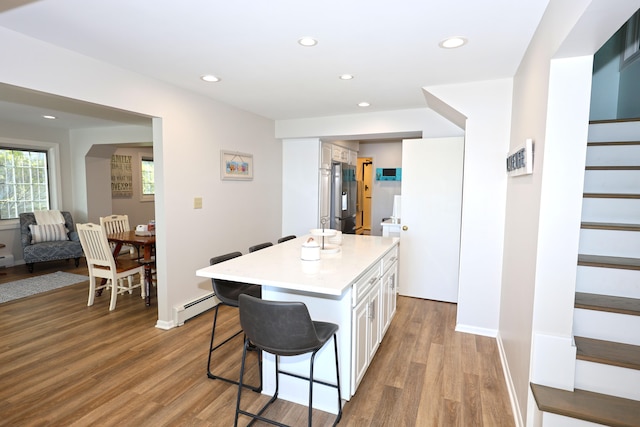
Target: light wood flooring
[{"x": 65, "y": 364}]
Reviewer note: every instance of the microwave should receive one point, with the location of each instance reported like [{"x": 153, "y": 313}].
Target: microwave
[{"x": 389, "y": 174}]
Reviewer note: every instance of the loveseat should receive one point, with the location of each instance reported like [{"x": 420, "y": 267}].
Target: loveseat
[{"x": 50, "y": 244}]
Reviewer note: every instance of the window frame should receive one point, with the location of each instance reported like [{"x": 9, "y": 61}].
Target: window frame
[
  {"x": 54, "y": 176},
  {"x": 145, "y": 197}
]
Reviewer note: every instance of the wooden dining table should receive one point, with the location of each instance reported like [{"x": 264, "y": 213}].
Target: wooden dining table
[{"x": 146, "y": 244}]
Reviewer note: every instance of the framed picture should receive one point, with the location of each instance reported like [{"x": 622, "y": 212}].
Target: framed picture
[{"x": 236, "y": 166}]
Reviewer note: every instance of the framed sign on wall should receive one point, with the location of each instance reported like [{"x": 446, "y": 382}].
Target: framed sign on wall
[
  {"x": 236, "y": 166},
  {"x": 520, "y": 161}
]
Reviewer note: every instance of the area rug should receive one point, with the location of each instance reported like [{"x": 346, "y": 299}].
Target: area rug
[{"x": 35, "y": 285}]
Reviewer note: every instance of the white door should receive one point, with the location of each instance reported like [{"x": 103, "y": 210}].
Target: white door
[{"x": 430, "y": 218}]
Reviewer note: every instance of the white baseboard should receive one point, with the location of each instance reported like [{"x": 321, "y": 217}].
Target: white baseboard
[
  {"x": 485, "y": 332},
  {"x": 163, "y": 324},
  {"x": 517, "y": 414}
]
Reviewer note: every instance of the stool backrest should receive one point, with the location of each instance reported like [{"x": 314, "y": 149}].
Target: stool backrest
[
  {"x": 226, "y": 290},
  {"x": 277, "y": 327},
  {"x": 260, "y": 246}
]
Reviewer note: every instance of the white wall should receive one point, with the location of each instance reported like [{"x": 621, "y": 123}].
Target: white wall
[
  {"x": 487, "y": 106},
  {"x": 188, "y": 134},
  {"x": 300, "y": 185}
]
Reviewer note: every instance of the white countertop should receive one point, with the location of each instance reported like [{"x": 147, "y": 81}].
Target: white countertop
[{"x": 280, "y": 265}]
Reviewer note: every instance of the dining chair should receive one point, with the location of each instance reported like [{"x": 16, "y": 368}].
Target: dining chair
[
  {"x": 118, "y": 224},
  {"x": 285, "y": 238},
  {"x": 102, "y": 264},
  {"x": 284, "y": 329},
  {"x": 227, "y": 293},
  {"x": 260, "y": 246}
]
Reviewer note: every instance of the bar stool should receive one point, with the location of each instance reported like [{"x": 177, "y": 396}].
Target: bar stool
[
  {"x": 260, "y": 246},
  {"x": 284, "y": 329},
  {"x": 228, "y": 292},
  {"x": 286, "y": 238}
]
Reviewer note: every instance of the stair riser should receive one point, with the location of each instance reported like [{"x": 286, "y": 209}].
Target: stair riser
[
  {"x": 610, "y": 243},
  {"x": 608, "y": 181},
  {"x": 606, "y": 326},
  {"x": 626, "y": 211},
  {"x": 619, "y": 131},
  {"x": 554, "y": 420},
  {"x": 607, "y": 379},
  {"x": 608, "y": 281},
  {"x": 606, "y": 155}
]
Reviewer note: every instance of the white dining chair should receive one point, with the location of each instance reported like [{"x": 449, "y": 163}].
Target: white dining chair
[
  {"x": 118, "y": 224},
  {"x": 102, "y": 264}
]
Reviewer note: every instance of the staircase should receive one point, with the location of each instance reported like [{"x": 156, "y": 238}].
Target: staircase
[{"x": 607, "y": 303}]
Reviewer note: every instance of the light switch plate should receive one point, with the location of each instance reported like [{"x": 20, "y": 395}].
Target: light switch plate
[{"x": 197, "y": 203}]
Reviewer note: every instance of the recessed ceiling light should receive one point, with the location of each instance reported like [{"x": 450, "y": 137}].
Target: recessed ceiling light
[
  {"x": 346, "y": 76},
  {"x": 452, "y": 42},
  {"x": 210, "y": 78},
  {"x": 308, "y": 41},
  {"x": 49, "y": 117},
  {"x": 363, "y": 104}
]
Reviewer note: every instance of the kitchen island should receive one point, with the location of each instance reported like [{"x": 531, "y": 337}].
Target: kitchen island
[{"x": 354, "y": 288}]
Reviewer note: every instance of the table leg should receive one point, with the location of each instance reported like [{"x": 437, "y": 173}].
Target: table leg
[{"x": 148, "y": 283}]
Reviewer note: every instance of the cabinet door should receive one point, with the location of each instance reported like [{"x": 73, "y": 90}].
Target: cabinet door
[
  {"x": 388, "y": 296},
  {"x": 325, "y": 156},
  {"x": 353, "y": 157},
  {"x": 325, "y": 197},
  {"x": 374, "y": 321},
  {"x": 337, "y": 153},
  {"x": 360, "y": 350}
]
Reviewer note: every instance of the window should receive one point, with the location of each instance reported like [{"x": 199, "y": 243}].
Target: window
[
  {"x": 148, "y": 183},
  {"x": 24, "y": 181}
]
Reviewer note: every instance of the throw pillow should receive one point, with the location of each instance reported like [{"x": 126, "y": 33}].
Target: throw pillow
[{"x": 48, "y": 233}]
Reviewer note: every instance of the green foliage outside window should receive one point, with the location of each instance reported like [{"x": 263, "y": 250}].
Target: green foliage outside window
[
  {"x": 24, "y": 182},
  {"x": 148, "y": 183}
]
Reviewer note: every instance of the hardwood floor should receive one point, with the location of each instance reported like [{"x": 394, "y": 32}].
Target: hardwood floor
[{"x": 65, "y": 364}]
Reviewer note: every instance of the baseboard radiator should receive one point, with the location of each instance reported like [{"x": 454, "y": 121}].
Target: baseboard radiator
[
  {"x": 6, "y": 261},
  {"x": 184, "y": 312}
]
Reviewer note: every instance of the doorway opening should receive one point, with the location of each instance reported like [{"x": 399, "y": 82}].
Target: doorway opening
[{"x": 364, "y": 179}]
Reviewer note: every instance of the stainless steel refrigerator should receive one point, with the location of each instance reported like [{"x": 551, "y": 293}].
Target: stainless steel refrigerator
[{"x": 343, "y": 197}]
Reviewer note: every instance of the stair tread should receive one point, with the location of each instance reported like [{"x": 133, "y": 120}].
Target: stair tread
[
  {"x": 608, "y": 303},
  {"x": 612, "y": 143},
  {"x": 609, "y": 262},
  {"x": 612, "y": 168},
  {"x": 611, "y": 226},
  {"x": 588, "y": 406},
  {"x": 609, "y": 353},
  {"x": 611, "y": 196}
]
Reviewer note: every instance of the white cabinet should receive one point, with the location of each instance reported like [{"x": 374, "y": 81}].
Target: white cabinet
[
  {"x": 374, "y": 302},
  {"x": 325, "y": 156},
  {"x": 353, "y": 158},
  {"x": 388, "y": 291},
  {"x": 366, "y": 333},
  {"x": 366, "y": 322},
  {"x": 388, "y": 288}
]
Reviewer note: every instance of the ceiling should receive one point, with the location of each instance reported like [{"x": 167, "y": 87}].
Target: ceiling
[{"x": 390, "y": 47}]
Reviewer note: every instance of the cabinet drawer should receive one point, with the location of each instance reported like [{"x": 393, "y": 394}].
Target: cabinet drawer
[
  {"x": 365, "y": 283},
  {"x": 389, "y": 258}
]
